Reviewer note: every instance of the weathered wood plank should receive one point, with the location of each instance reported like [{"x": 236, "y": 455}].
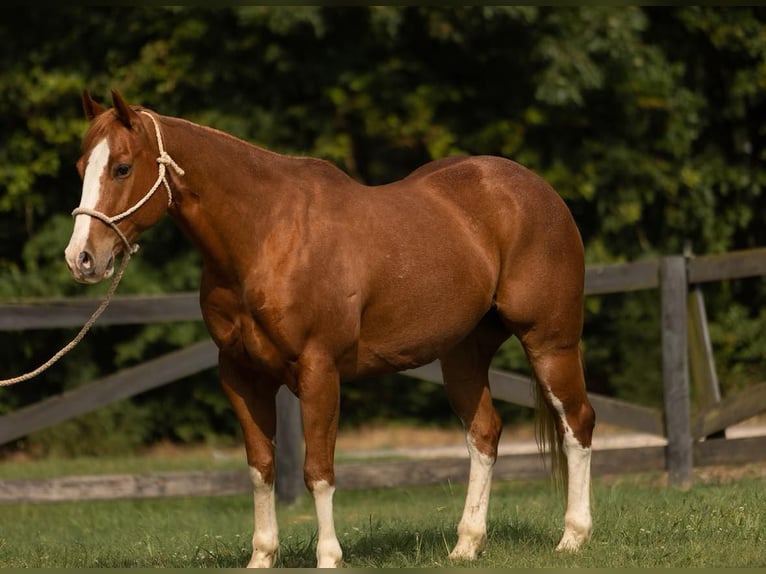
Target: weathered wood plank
[
  {"x": 289, "y": 447},
  {"x": 364, "y": 475},
  {"x": 732, "y": 265},
  {"x": 511, "y": 388},
  {"x": 400, "y": 473},
  {"x": 730, "y": 451},
  {"x": 139, "y": 309},
  {"x": 123, "y": 310},
  {"x": 621, "y": 277},
  {"x": 701, "y": 360},
  {"x": 124, "y": 384},
  {"x": 627, "y": 415},
  {"x": 629, "y": 460},
  {"x": 122, "y": 486},
  {"x": 347, "y": 476},
  {"x": 746, "y": 403},
  {"x": 607, "y": 461},
  {"x": 517, "y": 389},
  {"x": 505, "y": 386},
  {"x": 507, "y": 467},
  {"x": 675, "y": 371}
]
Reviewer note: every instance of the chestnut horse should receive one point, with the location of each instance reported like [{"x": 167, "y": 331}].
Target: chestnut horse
[{"x": 311, "y": 278}]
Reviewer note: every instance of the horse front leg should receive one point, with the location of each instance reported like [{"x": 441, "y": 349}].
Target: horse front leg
[
  {"x": 254, "y": 402},
  {"x": 319, "y": 391}
]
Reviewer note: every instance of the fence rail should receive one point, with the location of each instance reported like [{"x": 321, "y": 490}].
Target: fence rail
[
  {"x": 42, "y": 313},
  {"x": 684, "y": 335},
  {"x": 123, "y": 310}
]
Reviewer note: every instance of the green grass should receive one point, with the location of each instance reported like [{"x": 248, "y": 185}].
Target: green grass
[{"x": 637, "y": 524}]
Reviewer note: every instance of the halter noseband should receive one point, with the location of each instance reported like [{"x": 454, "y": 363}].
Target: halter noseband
[{"x": 163, "y": 160}]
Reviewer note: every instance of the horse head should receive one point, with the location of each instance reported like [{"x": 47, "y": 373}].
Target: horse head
[{"x": 122, "y": 159}]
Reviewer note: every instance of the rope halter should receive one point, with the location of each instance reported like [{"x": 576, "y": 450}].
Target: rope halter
[{"x": 163, "y": 160}]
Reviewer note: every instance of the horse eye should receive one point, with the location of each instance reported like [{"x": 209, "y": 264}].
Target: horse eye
[{"x": 122, "y": 170}]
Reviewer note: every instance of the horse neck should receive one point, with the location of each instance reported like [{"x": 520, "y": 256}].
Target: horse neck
[{"x": 227, "y": 192}]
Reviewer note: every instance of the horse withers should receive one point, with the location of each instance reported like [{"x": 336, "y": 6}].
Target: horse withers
[{"x": 311, "y": 278}]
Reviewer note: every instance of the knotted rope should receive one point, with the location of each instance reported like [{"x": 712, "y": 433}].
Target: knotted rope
[{"x": 163, "y": 160}]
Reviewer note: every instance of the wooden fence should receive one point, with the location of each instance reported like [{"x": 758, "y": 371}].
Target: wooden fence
[{"x": 686, "y": 356}]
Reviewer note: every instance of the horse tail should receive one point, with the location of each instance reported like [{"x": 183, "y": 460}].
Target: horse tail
[{"x": 547, "y": 438}]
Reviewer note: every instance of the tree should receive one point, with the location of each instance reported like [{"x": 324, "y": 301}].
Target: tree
[{"x": 648, "y": 121}]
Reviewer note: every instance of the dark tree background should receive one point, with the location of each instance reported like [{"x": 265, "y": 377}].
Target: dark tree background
[{"x": 648, "y": 121}]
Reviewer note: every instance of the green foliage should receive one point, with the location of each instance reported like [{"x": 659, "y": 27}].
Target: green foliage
[
  {"x": 118, "y": 428},
  {"x": 648, "y": 121},
  {"x": 739, "y": 340}
]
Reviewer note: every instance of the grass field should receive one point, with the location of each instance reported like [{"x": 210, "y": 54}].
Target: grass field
[{"x": 638, "y": 523}]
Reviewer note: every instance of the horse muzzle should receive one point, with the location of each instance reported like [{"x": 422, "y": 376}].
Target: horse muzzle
[{"x": 86, "y": 267}]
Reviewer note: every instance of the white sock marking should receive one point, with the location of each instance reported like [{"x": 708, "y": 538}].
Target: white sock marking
[
  {"x": 577, "y": 519},
  {"x": 266, "y": 531},
  {"x": 329, "y": 553},
  {"x": 472, "y": 530}
]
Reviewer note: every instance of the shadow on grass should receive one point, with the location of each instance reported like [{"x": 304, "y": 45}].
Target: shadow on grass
[{"x": 383, "y": 545}]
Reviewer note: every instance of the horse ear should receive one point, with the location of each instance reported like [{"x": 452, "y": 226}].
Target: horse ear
[
  {"x": 124, "y": 112},
  {"x": 91, "y": 107}
]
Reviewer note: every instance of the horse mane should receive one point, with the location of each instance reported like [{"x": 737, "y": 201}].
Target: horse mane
[
  {"x": 225, "y": 136},
  {"x": 326, "y": 167},
  {"x": 101, "y": 124}
]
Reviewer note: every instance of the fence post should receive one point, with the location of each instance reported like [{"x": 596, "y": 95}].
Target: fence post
[
  {"x": 675, "y": 369},
  {"x": 289, "y": 447}
]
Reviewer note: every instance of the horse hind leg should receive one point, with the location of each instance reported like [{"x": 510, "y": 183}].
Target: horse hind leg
[
  {"x": 560, "y": 375},
  {"x": 464, "y": 370}
]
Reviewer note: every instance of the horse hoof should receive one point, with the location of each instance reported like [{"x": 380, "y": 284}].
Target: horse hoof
[
  {"x": 571, "y": 542},
  {"x": 468, "y": 548},
  {"x": 262, "y": 560},
  {"x": 459, "y": 554}
]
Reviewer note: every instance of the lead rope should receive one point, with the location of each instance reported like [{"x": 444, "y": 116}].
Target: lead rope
[
  {"x": 163, "y": 160},
  {"x": 80, "y": 336}
]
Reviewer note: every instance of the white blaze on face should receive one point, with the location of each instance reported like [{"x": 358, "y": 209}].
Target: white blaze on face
[{"x": 91, "y": 190}]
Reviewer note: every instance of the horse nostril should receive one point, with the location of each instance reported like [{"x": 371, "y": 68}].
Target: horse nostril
[{"x": 85, "y": 263}]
